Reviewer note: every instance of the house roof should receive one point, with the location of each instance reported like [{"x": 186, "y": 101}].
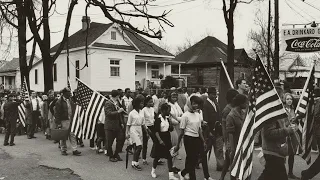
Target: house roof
[
  {"x": 296, "y": 62},
  {"x": 13, "y": 65},
  {"x": 209, "y": 50},
  {"x": 78, "y": 40}
]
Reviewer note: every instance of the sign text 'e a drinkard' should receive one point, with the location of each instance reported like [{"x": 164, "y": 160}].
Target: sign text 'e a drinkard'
[{"x": 301, "y": 40}]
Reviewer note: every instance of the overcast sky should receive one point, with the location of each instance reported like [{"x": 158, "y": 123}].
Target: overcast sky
[{"x": 195, "y": 19}]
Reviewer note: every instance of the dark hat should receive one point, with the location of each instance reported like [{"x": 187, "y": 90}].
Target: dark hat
[
  {"x": 212, "y": 90},
  {"x": 115, "y": 93},
  {"x": 64, "y": 90}
]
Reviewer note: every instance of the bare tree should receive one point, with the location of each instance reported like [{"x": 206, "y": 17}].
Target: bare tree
[
  {"x": 259, "y": 37},
  {"x": 113, "y": 10},
  {"x": 13, "y": 17}
]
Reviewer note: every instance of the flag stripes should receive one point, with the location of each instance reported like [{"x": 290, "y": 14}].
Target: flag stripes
[
  {"x": 305, "y": 108},
  {"x": 265, "y": 106},
  {"x": 90, "y": 104},
  {"x": 21, "y": 107},
  {"x": 22, "y": 114},
  {"x": 76, "y": 126}
]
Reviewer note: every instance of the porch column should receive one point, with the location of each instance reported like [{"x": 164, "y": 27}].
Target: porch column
[
  {"x": 146, "y": 70},
  {"x": 164, "y": 69},
  {"x": 179, "y": 69},
  {"x": 4, "y": 82}
]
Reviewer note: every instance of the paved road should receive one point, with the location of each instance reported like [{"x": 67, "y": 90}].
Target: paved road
[{"x": 40, "y": 159}]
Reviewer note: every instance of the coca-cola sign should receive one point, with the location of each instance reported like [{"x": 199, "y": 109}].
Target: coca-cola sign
[
  {"x": 301, "y": 40},
  {"x": 304, "y": 44}
]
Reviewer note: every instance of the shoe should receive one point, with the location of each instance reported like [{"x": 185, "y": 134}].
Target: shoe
[
  {"x": 145, "y": 162},
  {"x": 180, "y": 176},
  {"x": 153, "y": 173},
  {"x": 118, "y": 158},
  {"x": 29, "y": 137},
  {"x": 81, "y": 145},
  {"x": 209, "y": 178},
  {"x": 5, "y": 144},
  {"x": 113, "y": 159},
  {"x": 187, "y": 177},
  {"x": 64, "y": 153},
  {"x": 172, "y": 177},
  {"x": 175, "y": 170},
  {"x": 12, "y": 144},
  {"x": 93, "y": 148},
  {"x": 33, "y": 137},
  {"x": 55, "y": 142},
  {"x": 137, "y": 167},
  {"x": 100, "y": 151},
  {"x": 292, "y": 176},
  {"x": 76, "y": 153}
]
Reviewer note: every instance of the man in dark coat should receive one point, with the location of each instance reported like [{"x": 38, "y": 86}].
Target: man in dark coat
[
  {"x": 30, "y": 122},
  {"x": 213, "y": 133},
  {"x": 314, "y": 169},
  {"x": 10, "y": 119},
  {"x": 114, "y": 126},
  {"x": 63, "y": 113}
]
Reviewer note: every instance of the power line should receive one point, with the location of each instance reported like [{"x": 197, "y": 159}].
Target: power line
[
  {"x": 312, "y": 5},
  {"x": 295, "y": 10},
  {"x": 302, "y": 10}
]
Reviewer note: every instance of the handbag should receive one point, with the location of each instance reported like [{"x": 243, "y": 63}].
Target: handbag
[
  {"x": 59, "y": 134},
  {"x": 284, "y": 148}
]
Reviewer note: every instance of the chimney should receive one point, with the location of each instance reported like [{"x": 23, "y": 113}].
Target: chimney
[{"x": 84, "y": 22}]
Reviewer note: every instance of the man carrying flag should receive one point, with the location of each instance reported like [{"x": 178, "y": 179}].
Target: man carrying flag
[{"x": 265, "y": 110}]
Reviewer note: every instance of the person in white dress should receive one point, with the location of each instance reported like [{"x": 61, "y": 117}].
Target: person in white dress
[
  {"x": 134, "y": 130},
  {"x": 175, "y": 113}
]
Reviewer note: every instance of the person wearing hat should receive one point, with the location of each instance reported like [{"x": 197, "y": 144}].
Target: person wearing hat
[
  {"x": 10, "y": 119},
  {"x": 114, "y": 126},
  {"x": 213, "y": 131},
  {"x": 63, "y": 113}
]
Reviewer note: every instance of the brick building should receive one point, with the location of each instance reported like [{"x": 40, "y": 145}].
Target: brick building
[{"x": 203, "y": 63}]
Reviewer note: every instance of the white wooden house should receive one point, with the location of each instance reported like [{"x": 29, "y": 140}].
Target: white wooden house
[{"x": 117, "y": 58}]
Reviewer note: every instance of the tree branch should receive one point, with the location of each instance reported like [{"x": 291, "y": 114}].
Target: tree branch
[{"x": 66, "y": 30}]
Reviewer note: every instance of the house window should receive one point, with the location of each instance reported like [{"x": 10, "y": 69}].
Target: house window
[
  {"x": 115, "y": 68},
  {"x": 242, "y": 75},
  {"x": 200, "y": 76},
  {"x": 77, "y": 68},
  {"x": 113, "y": 35},
  {"x": 36, "y": 76},
  {"x": 55, "y": 72},
  {"x": 155, "y": 71},
  {"x": 10, "y": 80}
]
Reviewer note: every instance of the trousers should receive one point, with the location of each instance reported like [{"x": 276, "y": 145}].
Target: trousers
[
  {"x": 274, "y": 169},
  {"x": 192, "y": 146},
  {"x": 110, "y": 137},
  {"x": 72, "y": 137},
  {"x": 10, "y": 131}
]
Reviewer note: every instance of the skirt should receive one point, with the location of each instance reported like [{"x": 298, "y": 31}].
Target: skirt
[
  {"x": 136, "y": 135},
  {"x": 160, "y": 151},
  {"x": 174, "y": 137}
]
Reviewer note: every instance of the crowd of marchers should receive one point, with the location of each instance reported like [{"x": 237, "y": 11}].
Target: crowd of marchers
[{"x": 173, "y": 120}]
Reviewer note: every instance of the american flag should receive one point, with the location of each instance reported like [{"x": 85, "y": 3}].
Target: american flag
[
  {"x": 264, "y": 106},
  {"x": 21, "y": 107},
  {"x": 305, "y": 108},
  {"x": 89, "y": 106}
]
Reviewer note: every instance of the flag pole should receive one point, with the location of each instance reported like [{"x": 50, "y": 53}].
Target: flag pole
[
  {"x": 101, "y": 95},
  {"x": 226, "y": 72},
  {"x": 304, "y": 88}
]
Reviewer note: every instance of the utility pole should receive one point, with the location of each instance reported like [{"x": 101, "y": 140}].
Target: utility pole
[
  {"x": 276, "y": 48},
  {"x": 269, "y": 37}
]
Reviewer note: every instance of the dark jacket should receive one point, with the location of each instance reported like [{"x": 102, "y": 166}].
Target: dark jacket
[
  {"x": 10, "y": 110},
  {"x": 274, "y": 136},
  {"x": 234, "y": 123},
  {"x": 317, "y": 118},
  {"x": 61, "y": 110},
  {"x": 210, "y": 115},
  {"x": 114, "y": 121},
  {"x": 28, "y": 106}
]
